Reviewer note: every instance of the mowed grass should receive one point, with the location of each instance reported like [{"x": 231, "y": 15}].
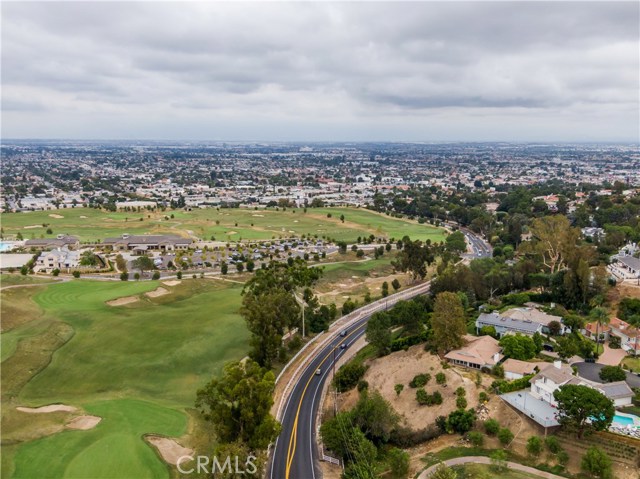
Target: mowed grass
[
  {"x": 484, "y": 470},
  {"x": 137, "y": 366},
  {"x": 113, "y": 449},
  {"x": 228, "y": 224}
]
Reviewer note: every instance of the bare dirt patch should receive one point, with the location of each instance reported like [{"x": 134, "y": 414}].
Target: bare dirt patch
[
  {"x": 169, "y": 449},
  {"x": 258, "y": 216},
  {"x": 157, "y": 292},
  {"x": 46, "y": 409},
  {"x": 175, "y": 282},
  {"x": 59, "y": 217},
  {"x": 231, "y": 233},
  {"x": 400, "y": 368},
  {"x": 84, "y": 423},
  {"x": 31, "y": 227},
  {"x": 122, "y": 301}
]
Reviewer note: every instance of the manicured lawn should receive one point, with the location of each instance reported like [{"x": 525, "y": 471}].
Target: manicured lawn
[
  {"x": 114, "y": 448},
  {"x": 137, "y": 366},
  {"x": 632, "y": 363},
  {"x": 224, "y": 225}
]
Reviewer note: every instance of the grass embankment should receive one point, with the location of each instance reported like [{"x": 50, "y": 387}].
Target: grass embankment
[
  {"x": 137, "y": 366},
  {"x": 225, "y": 225},
  {"x": 14, "y": 279},
  {"x": 482, "y": 471}
]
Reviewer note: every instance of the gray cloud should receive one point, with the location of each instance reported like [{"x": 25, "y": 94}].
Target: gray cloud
[{"x": 387, "y": 70}]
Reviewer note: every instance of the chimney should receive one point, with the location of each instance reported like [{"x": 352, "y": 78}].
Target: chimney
[{"x": 558, "y": 364}]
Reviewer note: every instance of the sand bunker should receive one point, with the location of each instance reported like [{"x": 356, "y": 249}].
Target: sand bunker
[
  {"x": 83, "y": 217},
  {"x": 122, "y": 301},
  {"x": 172, "y": 283},
  {"x": 157, "y": 292},
  {"x": 169, "y": 449},
  {"x": 31, "y": 227},
  {"x": 58, "y": 216},
  {"x": 258, "y": 216},
  {"x": 84, "y": 422},
  {"x": 231, "y": 233},
  {"x": 45, "y": 409},
  {"x": 296, "y": 221}
]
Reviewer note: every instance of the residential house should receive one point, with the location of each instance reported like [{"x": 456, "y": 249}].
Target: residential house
[
  {"x": 516, "y": 369},
  {"x": 479, "y": 352},
  {"x": 535, "y": 315},
  {"x": 504, "y": 325},
  {"x": 629, "y": 335}
]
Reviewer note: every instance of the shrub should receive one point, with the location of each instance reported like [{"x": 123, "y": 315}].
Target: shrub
[
  {"x": 483, "y": 397},
  {"x": 55, "y": 272},
  {"x": 534, "y": 446},
  {"x": 156, "y": 275},
  {"x": 476, "y": 438},
  {"x": 362, "y": 385},
  {"x": 505, "y": 436},
  {"x": 612, "y": 373},
  {"x": 76, "y": 274},
  {"x": 460, "y": 392},
  {"x": 491, "y": 426},
  {"x": 422, "y": 397},
  {"x": 437, "y": 397},
  {"x": 461, "y": 402},
  {"x": 398, "y": 389},
  {"x": 563, "y": 457},
  {"x": 441, "y": 378},
  {"x": 597, "y": 463},
  {"x": 552, "y": 444},
  {"x": 179, "y": 275},
  {"x": 136, "y": 276},
  {"x": 348, "y": 376},
  {"x": 461, "y": 421},
  {"x": 399, "y": 462},
  {"x": 420, "y": 380},
  {"x": 124, "y": 276}
]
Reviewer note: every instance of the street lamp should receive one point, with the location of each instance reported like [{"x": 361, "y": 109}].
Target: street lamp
[{"x": 303, "y": 304}]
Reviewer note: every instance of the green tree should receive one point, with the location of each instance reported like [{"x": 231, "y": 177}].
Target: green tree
[
  {"x": 385, "y": 289},
  {"x": 224, "y": 268},
  {"x": 518, "y": 346},
  {"x": 238, "y": 404},
  {"x": 156, "y": 275},
  {"x": 596, "y": 463},
  {"x": 414, "y": 258},
  {"x": 398, "y": 388},
  {"x": 583, "y": 409},
  {"x": 476, "y": 438},
  {"x": 250, "y": 265},
  {"x": 378, "y": 333},
  {"x": 348, "y": 376},
  {"x": 239, "y": 267},
  {"x": 461, "y": 421},
  {"x": 456, "y": 242},
  {"x": 375, "y": 417},
  {"x": 124, "y": 276},
  {"x": 499, "y": 460},
  {"x": 491, "y": 426},
  {"x": 398, "y": 462},
  {"x": 395, "y": 284},
  {"x": 121, "y": 263},
  {"x": 448, "y": 322},
  {"x": 610, "y": 374},
  {"x": 143, "y": 263}
]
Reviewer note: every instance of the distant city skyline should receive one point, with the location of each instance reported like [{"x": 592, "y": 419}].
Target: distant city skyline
[{"x": 320, "y": 71}]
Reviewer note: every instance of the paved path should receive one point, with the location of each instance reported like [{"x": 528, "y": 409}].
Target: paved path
[{"x": 485, "y": 460}]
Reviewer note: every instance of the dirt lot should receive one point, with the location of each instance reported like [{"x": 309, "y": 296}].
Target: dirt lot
[{"x": 400, "y": 368}]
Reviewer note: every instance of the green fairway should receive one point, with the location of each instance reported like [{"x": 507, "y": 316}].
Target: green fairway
[
  {"x": 226, "y": 224},
  {"x": 113, "y": 449},
  {"x": 137, "y": 366}
]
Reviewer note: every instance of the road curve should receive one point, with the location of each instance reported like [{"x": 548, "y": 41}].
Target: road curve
[{"x": 294, "y": 455}]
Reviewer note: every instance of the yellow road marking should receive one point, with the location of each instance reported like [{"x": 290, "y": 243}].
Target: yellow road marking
[{"x": 291, "y": 450}]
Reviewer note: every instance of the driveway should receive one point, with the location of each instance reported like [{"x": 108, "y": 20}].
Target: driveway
[
  {"x": 611, "y": 357},
  {"x": 591, "y": 371}
]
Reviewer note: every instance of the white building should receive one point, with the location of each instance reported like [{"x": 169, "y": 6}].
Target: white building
[{"x": 62, "y": 259}]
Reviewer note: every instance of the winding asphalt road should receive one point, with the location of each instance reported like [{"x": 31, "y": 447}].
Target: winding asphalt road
[{"x": 295, "y": 455}]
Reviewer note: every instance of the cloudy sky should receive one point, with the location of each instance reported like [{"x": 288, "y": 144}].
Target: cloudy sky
[{"x": 420, "y": 71}]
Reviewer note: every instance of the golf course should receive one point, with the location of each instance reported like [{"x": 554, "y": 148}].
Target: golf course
[
  {"x": 225, "y": 224},
  {"x": 135, "y": 364}
]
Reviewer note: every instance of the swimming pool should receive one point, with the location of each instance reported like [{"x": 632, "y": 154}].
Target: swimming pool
[
  {"x": 623, "y": 420},
  {"x": 5, "y": 246}
]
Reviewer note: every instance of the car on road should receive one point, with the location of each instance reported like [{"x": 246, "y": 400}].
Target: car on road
[
  {"x": 343, "y": 346},
  {"x": 318, "y": 372},
  {"x": 343, "y": 333}
]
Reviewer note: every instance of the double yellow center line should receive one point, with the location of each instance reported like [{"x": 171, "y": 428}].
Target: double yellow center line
[{"x": 294, "y": 433}]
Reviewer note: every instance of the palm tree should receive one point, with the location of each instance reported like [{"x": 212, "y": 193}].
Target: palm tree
[
  {"x": 634, "y": 320},
  {"x": 601, "y": 316}
]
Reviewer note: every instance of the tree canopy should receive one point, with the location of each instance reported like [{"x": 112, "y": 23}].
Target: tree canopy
[{"x": 583, "y": 409}]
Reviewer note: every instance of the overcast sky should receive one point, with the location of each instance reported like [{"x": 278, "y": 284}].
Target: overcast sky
[{"x": 422, "y": 71}]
